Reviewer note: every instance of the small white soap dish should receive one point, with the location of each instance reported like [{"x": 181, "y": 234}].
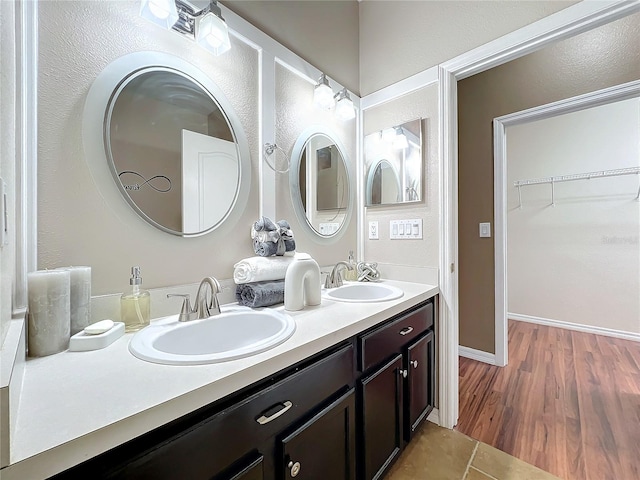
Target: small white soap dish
[{"x": 83, "y": 341}]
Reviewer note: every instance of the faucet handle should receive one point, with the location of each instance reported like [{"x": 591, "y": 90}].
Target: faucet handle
[{"x": 186, "y": 312}]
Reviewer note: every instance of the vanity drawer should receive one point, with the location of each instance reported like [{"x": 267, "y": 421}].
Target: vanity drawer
[
  {"x": 377, "y": 345},
  {"x": 215, "y": 443}
]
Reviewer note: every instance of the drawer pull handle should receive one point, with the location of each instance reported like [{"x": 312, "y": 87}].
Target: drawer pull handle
[
  {"x": 294, "y": 468},
  {"x": 404, "y": 373},
  {"x": 406, "y": 331},
  {"x": 264, "y": 419},
  {"x": 414, "y": 363}
]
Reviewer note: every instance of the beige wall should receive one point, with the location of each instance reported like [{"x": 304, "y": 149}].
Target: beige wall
[
  {"x": 412, "y": 253},
  {"x": 560, "y": 258},
  {"x": 325, "y": 33},
  {"x": 606, "y": 56},
  {"x": 399, "y": 38},
  {"x": 7, "y": 155},
  {"x": 295, "y": 113},
  {"x": 76, "y": 226}
]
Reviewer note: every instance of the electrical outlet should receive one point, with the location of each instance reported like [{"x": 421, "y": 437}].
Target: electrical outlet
[{"x": 373, "y": 231}]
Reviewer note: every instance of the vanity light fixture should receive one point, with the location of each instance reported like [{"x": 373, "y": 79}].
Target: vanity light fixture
[
  {"x": 323, "y": 94},
  {"x": 206, "y": 26},
  {"x": 160, "y": 12},
  {"x": 400, "y": 141},
  {"x": 388, "y": 135},
  {"x": 344, "y": 106}
]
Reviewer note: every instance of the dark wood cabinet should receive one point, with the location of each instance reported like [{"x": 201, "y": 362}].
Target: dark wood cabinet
[
  {"x": 323, "y": 447},
  {"x": 397, "y": 394},
  {"x": 343, "y": 414},
  {"x": 420, "y": 384},
  {"x": 381, "y": 411}
]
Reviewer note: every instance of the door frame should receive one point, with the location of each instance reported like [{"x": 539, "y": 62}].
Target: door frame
[
  {"x": 566, "y": 23},
  {"x": 569, "y": 105}
]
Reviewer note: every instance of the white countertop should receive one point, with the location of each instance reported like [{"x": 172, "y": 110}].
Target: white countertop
[{"x": 75, "y": 405}]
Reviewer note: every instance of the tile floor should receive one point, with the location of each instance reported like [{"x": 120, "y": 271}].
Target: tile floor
[{"x": 437, "y": 453}]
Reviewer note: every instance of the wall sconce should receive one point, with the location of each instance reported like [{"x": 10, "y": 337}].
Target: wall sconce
[
  {"x": 323, "y": 94},
  {"x": 344, "y": 106},
  {"x": 206, "y": 26}
]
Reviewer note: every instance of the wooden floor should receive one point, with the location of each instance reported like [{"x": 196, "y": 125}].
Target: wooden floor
[{"x": 568, "y": 402}]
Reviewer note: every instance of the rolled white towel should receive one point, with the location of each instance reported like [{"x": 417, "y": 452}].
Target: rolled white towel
[{"x": 259, "y": 269}]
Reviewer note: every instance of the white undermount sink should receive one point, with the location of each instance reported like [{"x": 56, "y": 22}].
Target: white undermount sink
[
  {"x": 235, "y": 333},
  {"x": 363, "y": 292}
]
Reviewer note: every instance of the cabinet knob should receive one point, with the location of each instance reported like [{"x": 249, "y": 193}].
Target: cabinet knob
[
  {"x": 294, "y": 468},
  {"x": 414, "y": 363},
  {"x": 404, "y": 373}
]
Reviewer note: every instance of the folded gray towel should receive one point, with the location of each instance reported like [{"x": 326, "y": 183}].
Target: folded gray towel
[
  {"x": 265, "y": 249},
  {"x": 286, "y": 237},
  {"x": 260, "y": 294},
  {"x": 272, "y": 239}
]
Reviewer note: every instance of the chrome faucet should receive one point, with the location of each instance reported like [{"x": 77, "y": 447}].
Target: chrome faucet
[
  {"x": 334, "y": 279},
  {"x": 201, "y": 308}
]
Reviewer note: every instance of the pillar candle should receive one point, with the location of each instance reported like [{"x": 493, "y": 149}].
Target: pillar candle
[
  {"x": 49, "y": 311},
  {"x": 80, "y": 305}
]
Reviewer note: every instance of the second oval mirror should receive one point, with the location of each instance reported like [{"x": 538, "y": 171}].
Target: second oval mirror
[{"x": 320, "y": 183}]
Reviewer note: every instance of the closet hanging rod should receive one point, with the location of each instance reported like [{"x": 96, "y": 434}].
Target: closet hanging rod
[{"x": 578, "y": 176}]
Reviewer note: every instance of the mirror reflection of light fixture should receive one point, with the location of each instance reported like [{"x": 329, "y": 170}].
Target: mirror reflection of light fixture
[
  {"x": 388, "y": 135},
  {"x": 206, "y": 26},
  {"x": 323, "y": 94},
  {"x": 400, "y": 141},
  {"x": 344, "y": 105}
]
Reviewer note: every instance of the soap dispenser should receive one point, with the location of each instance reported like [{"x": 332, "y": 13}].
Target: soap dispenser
[
  {"x": 135, "y": 307},
  {"x": 351, "y": 274}
]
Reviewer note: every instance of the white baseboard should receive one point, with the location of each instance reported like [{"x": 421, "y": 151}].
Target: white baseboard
[
  {"x": 609, "y": 332},
  {"x": 434, "y": 416},
  {"x": 478, "y": 355}
]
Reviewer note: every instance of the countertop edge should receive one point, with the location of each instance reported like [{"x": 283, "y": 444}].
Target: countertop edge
[{"x": 77, "y": 450}]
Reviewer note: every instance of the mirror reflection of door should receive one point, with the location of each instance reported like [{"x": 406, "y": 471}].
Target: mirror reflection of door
[
  {"x": 164, "y": 128},
  {"x": 210, "y": 172}
]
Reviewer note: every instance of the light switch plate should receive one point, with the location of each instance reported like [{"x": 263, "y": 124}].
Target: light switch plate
[
  {"x": 485, "y": 230},
  {"x": 405, "y": 229},
  {"x": 373, "y": 231}
]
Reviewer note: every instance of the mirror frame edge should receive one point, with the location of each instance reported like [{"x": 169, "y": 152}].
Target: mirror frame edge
[{"x": 294, "y": 184}]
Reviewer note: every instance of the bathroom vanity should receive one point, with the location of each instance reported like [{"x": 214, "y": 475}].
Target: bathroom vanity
[
  {"x": 356, "y": 403},
  {"x": 340, "y": 399}
]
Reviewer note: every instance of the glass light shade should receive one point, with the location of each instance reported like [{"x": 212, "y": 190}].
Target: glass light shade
[
  {"x": 345, "y": 109},
  {"x": 388, "y": 135},
  {"x": 160, "y": 12},
  {"x": 400, "y": 142},
  {"x": 213, "y": 34},
  {"x": 323, "y": 94}
]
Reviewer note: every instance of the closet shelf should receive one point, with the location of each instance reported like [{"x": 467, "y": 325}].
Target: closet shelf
[{"x": 577, "y": 176}]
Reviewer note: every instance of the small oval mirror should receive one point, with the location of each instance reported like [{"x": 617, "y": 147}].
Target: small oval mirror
[
  {"x": 383, "y": 184},
  {"x": 319, "y": 181}
]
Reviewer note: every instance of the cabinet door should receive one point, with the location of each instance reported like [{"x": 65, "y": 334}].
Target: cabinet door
[
  {"x": 420, "y": 388},
  {"x": 323, "y": 448},
  {"x": 381, "y": 397},
  {"x": 251, "y": 471}
]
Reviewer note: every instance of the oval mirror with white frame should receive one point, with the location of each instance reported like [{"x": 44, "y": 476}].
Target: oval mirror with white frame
[
  {"x": 171, "y": 141},
  {"x": 393, "y": 164},
  {"x": 319, "y": 182}
]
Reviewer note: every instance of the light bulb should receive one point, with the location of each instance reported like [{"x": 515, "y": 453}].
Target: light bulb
[
  {"x": 323, "y": 94},
  {"x": 344, "y": 106},
  {"x": 213, "y": 34},
  {"x": 400, "y": 142},
  {"x": 160, "y": 12}
]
